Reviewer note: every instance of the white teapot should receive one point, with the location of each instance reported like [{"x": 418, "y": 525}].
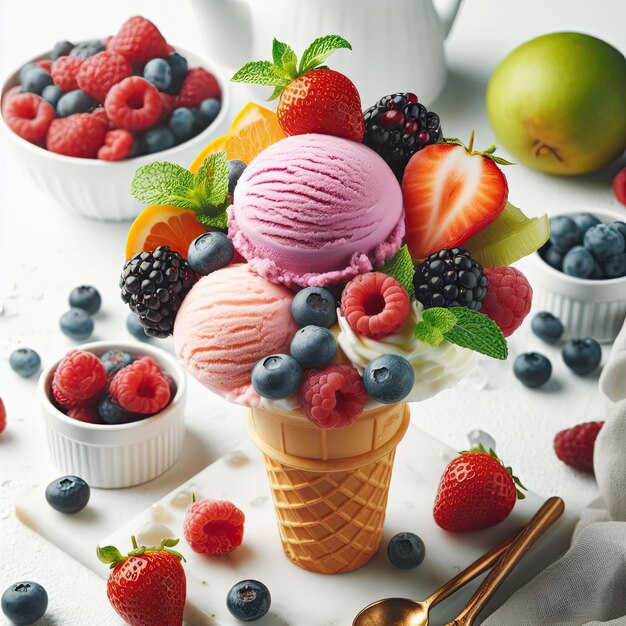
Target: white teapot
[{"x": 397, "y": 45}]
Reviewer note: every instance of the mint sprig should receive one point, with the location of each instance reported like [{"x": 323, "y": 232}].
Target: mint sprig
[
  {"x": 205, "y": 192},
  {"x": 463, "y": 327},
  {"x": 283, "y": 69},
  {"x": 401, "y": 267}
]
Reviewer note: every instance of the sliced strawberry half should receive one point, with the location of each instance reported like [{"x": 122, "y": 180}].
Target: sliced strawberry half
[{"x": 450, "y": 193}]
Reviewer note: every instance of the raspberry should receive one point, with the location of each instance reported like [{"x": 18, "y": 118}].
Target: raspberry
[
  {"x": 3, "y": 417},
  {"x": 198, "y": 86},
  {"x": 101, "y": 114},
  {"x": 509, "y": 297},
  {"x": 86, "y": 414},
  {"x": 100, "y": 72},
  {"x": 332, "y": 397},
  {"x": 64, "y": 71},
  {"x": 117, "y": 145},
  {"x": 213, "y": 526},
  {"x": 574, "y": 446},
  {"x": 133, "y": 104},
  {"x": 619, "y": 186},
  {"x": 140, "y": 387},
  {"x": 139, "y": 40},
  {"x": 46, "y": 65},
  {"x": 375, "y": 305},
  {"x": 79, "y": 135},
  {"x": 28, "y": 116},
  {"x": 79, "y": 378},
  {"x": 168, "y": 104}
]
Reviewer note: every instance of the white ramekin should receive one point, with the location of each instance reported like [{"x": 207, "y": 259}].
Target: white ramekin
[
  {"x": 101, "y": 189},
  {"x": 587, "y": 308},
  {"x": 121, "y": 455}
]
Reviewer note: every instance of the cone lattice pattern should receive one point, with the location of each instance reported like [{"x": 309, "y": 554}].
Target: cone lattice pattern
[{"x": 330, "y": 522}]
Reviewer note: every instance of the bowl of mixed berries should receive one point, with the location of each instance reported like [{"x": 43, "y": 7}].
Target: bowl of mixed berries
[
  {"x": 114, "y": 412},
  {"x": 83, "y": 117}
]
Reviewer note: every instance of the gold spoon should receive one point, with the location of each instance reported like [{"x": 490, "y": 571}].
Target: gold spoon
[{"x": 405, "y": 612}]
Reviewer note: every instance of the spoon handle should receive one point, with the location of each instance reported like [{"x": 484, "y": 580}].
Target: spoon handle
[{"x": 551, "y": 510}]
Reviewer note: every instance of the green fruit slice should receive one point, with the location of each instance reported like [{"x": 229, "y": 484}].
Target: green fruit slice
[{"x": 509, "y": 238}]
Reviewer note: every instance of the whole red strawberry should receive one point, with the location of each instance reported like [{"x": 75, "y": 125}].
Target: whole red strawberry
[
  {"x": 476, "y": 491},
  {"x": 148, "y": 586},
  {"x": 312, "y": 99},
  {"x": 574, "y": 446}
]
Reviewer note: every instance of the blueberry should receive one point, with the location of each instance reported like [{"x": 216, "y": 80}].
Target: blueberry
[
  {"x": 564, "y": 233},
  {"x": 620, "y": 227},
  {"x": 314, "y": 306},
  {"x": 314, "y": 346},
  {"x": 598, "y": 272},
  {"x": 615, "y": 266},
  {"x": 603, "y": 241},
  {"x": 68, "y": 494},
  {"x": 582, "y": 355},
  {"x": 276, "y": 376},
  {"x": 182, "y": 123},
  {"x": 578, "y": 262},
  {"x": 61, "y": 49},
  {"x": 178, "y": 71},
  {"x": 112, "y": 413},
  {"x": 157, "y": 139},
  {"x": 159, "y": 73},
  {"x": 36, "y": 80},
  {"x": 24, "y": 602},
  {"x": 115, "y": 360},
  {"x": 76, "y": 101},
  {"x": 135, "y": 328},
  {"x": 388, "y": 378},
  {"x": 532, "y": 369},
  {"x": 77, "y": 324},
  {"x": 547, "y": 327},
  {"x": 553, "y": 257},
  {"x": 210, "y": 252},
  {"x": 235, "y": 170},
  {"x": 52, "y": 94},
  {"x": 406, "y": 550},
  {"x": 87, "y": 298},
  {"x": 480, "y": 437},
  {"x": 248, "y": 600},
  {"x": 88, "y": 48},
  {"x": 25, "y": 69},
  {"x": 585, "y": 221},
  {"x": 209, "y": 109},
  {"x": 25, "y": 362}
]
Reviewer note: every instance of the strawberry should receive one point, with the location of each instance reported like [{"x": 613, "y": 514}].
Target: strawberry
[
  {"x": 148, "y": 586},
  {"x": 313, "y": 99},
  {"x": 476, "y": 491},
  {"x": 450, "y": 193}
]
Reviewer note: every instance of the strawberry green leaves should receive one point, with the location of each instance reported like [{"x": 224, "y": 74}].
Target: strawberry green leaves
[
  {"x": 110, "y": 555},
  {"x": 401, "y": 268},
  {"x": 205, "y": 192},
  {"x": 488, "y": 153},
  {"x": 283, "y": 69},
  {"x": 463, "y": 327}
]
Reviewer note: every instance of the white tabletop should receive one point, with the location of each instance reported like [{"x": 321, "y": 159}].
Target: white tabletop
[{"x": 44, "y": 253}]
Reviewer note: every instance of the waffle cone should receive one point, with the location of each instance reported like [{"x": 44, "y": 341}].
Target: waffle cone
[{"x": 329, "y": 486}]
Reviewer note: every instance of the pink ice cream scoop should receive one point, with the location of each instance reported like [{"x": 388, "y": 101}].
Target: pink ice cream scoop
[
  {"x": 230, "y": 320},
  {"x": 316, "y": 210}
]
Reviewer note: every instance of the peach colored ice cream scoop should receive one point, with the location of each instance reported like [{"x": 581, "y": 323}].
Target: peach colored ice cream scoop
[
  {"x": 315, "y": 210},
  {"x": 229, "y": 320}
]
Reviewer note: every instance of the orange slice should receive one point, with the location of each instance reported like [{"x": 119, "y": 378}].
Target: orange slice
[
  {"x": 254, "y": 129},
  {"x": 163, "y": 226}
]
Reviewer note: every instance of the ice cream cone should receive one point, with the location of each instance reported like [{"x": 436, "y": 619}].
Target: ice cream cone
[{"x": 329, "y": 486}]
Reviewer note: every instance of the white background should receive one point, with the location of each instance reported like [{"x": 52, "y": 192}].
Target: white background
[{"x": 44, "y": 253}]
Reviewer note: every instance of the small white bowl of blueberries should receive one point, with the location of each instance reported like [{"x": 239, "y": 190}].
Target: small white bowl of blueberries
[{"x": 580, "y": 274}]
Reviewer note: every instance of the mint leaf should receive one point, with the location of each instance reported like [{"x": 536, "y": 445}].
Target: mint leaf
[
  {"x": 211, "y": 181},
  {"x": 442, "y": 319},
  {"x": 401, "y": 268},
  {"x": 277, "y": 91},
  {"x": 213, "y": 221},
  {"x": 285, "y": 61},
  {"x": 164, "y": 183},
  {"x": 259, "y": 73},
  {"x": 428, "y": 334},
  {"x": 320, "y": 50},
  {"x": 477, "y": 332},
  {"x": 278, "y": 49}
]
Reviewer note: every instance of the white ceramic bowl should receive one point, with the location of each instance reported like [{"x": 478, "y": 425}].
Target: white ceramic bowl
[
  {"x": 101, "y": 189},
  {"x": 114, "y": 456},
  {"x": 587, "y": 308}
]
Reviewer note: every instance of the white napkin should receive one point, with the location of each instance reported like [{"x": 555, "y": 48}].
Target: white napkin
[{"x": 587, "y": 586}]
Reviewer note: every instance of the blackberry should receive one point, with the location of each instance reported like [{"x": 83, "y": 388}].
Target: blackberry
[
  {"x": 450, "y": 278},
  {"x": 154, "y": 285},
  {"x": 397, "y": 126}
]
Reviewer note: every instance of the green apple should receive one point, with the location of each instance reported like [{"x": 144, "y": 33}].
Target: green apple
[{"x": 558, "y": 103}]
